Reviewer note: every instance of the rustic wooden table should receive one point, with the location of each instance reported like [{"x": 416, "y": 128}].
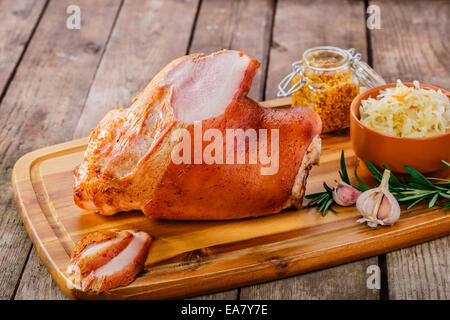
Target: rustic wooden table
[{"x": 56, "y": 83}]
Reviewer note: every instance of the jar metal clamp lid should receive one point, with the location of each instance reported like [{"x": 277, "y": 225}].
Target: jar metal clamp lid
[{"x": 367, "y": 76}]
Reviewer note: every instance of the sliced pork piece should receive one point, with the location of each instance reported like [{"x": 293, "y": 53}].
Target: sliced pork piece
[
  {"x": 105, "y": 260},
  {"x": 129, "y": 163}
]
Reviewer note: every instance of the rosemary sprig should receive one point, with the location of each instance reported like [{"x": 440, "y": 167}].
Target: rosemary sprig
[
  {"x": 416, "y": 188},
  {"x": 411, "y": 191},
  {"x": 324, "y": 200}
]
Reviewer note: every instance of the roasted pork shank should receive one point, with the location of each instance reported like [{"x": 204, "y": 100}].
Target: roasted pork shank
[{"x": 129, "y": 162}]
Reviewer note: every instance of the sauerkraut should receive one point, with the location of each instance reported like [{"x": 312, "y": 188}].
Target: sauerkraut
[{"x": 403, "y": 111}]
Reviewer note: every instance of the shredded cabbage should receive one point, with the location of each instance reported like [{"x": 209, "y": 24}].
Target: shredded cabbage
[{"x": 403, "y": 111}]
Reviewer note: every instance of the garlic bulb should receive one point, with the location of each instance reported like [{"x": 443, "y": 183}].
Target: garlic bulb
[
  {"x": 378, "y": 205},
  {"x": 345, "y": 195}
]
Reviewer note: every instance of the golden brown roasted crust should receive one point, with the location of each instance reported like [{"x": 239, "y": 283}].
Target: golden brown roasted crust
[
  {"x": 237, "y": 191},
  {"x": 125, "y": 168}
]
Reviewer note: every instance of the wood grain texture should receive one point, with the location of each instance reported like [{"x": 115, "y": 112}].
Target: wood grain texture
[
  {"x": 224, "y": 295},
  {"x": 146, "y": 37},
  {"x": 17, "y": 22},
  {"x": 243, "y": 25},
  {"x": 413, "y": 44},
  {"x": 239, "y": 25},
  {"x": 417, "y": 49},
  {"x": 36, "y": 283},
  {"x": 421, "y": 272},
  {"x": 18, "y": 19},
  {"x": 138, "y": 39},
  {"x": 42, "y": 107},
  {"x": 215, "y": 255},
  {"x": 300, "y": 25},
  {"x": 323, "y": 284}
]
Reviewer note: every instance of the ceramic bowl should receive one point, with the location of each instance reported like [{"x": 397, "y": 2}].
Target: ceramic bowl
[{"x": 423, "y": 154}]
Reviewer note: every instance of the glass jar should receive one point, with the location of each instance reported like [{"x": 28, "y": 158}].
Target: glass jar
[{"x": 327, "y": 79}]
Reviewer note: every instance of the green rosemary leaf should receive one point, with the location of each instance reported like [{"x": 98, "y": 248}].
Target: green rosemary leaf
[
  {"x": 444, "y": 205},
  {"x": 377, "y": 174},
  {"x": 327, "y": 187},
  {"x": 413, "y": 184},
  {"x": 317, "y": 199},
  {"x": 444, "y": 195},
  {"x": 393, "y": 181},
  {"x": 414, "y": 203},
  {"x": 321, "y": 197},
  {"x": 440, "y": 179},
  {"x": 446, "y": 163},
  {"x": 327, "y": 205},
  {"x": 361, "y": 186},
  {"x": 314, "y": 195},
  {"x": 312, "y": 203},
  {"x": 324, "y": 198},
  {"x": 420, "y": 195},
  {"x": 322, "y": 206},
  {"x": 343, "y": 173},
  {"x": 419, "y": 178},
  {"x": 433, "y": 200}
]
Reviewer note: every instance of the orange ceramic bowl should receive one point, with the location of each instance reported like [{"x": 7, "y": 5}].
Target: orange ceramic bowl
[{"x": 423, "y": 154}]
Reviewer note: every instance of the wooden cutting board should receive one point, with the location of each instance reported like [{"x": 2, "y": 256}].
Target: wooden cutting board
[{"x": 189, "y": 258}]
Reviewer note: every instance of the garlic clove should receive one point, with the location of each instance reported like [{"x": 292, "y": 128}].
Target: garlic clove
[
  {"x": 378, "y": 206},
  {"x": 389, "y": 211},
  {"x": 367, "y": 204},
  {"x": 345, "y": 195},
  {"x": 385, "y": 209}
]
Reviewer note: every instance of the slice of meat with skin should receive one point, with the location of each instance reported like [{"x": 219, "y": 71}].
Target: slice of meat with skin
[
  {"x": 108, "y": 259},
  {"x": 132, "y": 168},
  {"x": 107, "y": 245},
  {"x": 93, "y": 238},
  {"x": 122, "y": 269}
]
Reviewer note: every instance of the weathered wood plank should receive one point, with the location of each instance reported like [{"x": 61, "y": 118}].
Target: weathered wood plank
[
  {"x": 35, "y": 284},
  {"x": 238, "y": 25},
  {"x": 224, "y": 295},
  {"x": 153, "y": 53},
  {"x": 412, "y": 44},
  {"x": 42, "y": 107},
  {"x": 346, "y": 281},
  {"x": 142, "y": 42},
  {"x": 148, "y": 35},
  {"x": 420, "y": 272},
  {"x": 17, "y": 22},
  {"x": 298, "y": 26}
]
